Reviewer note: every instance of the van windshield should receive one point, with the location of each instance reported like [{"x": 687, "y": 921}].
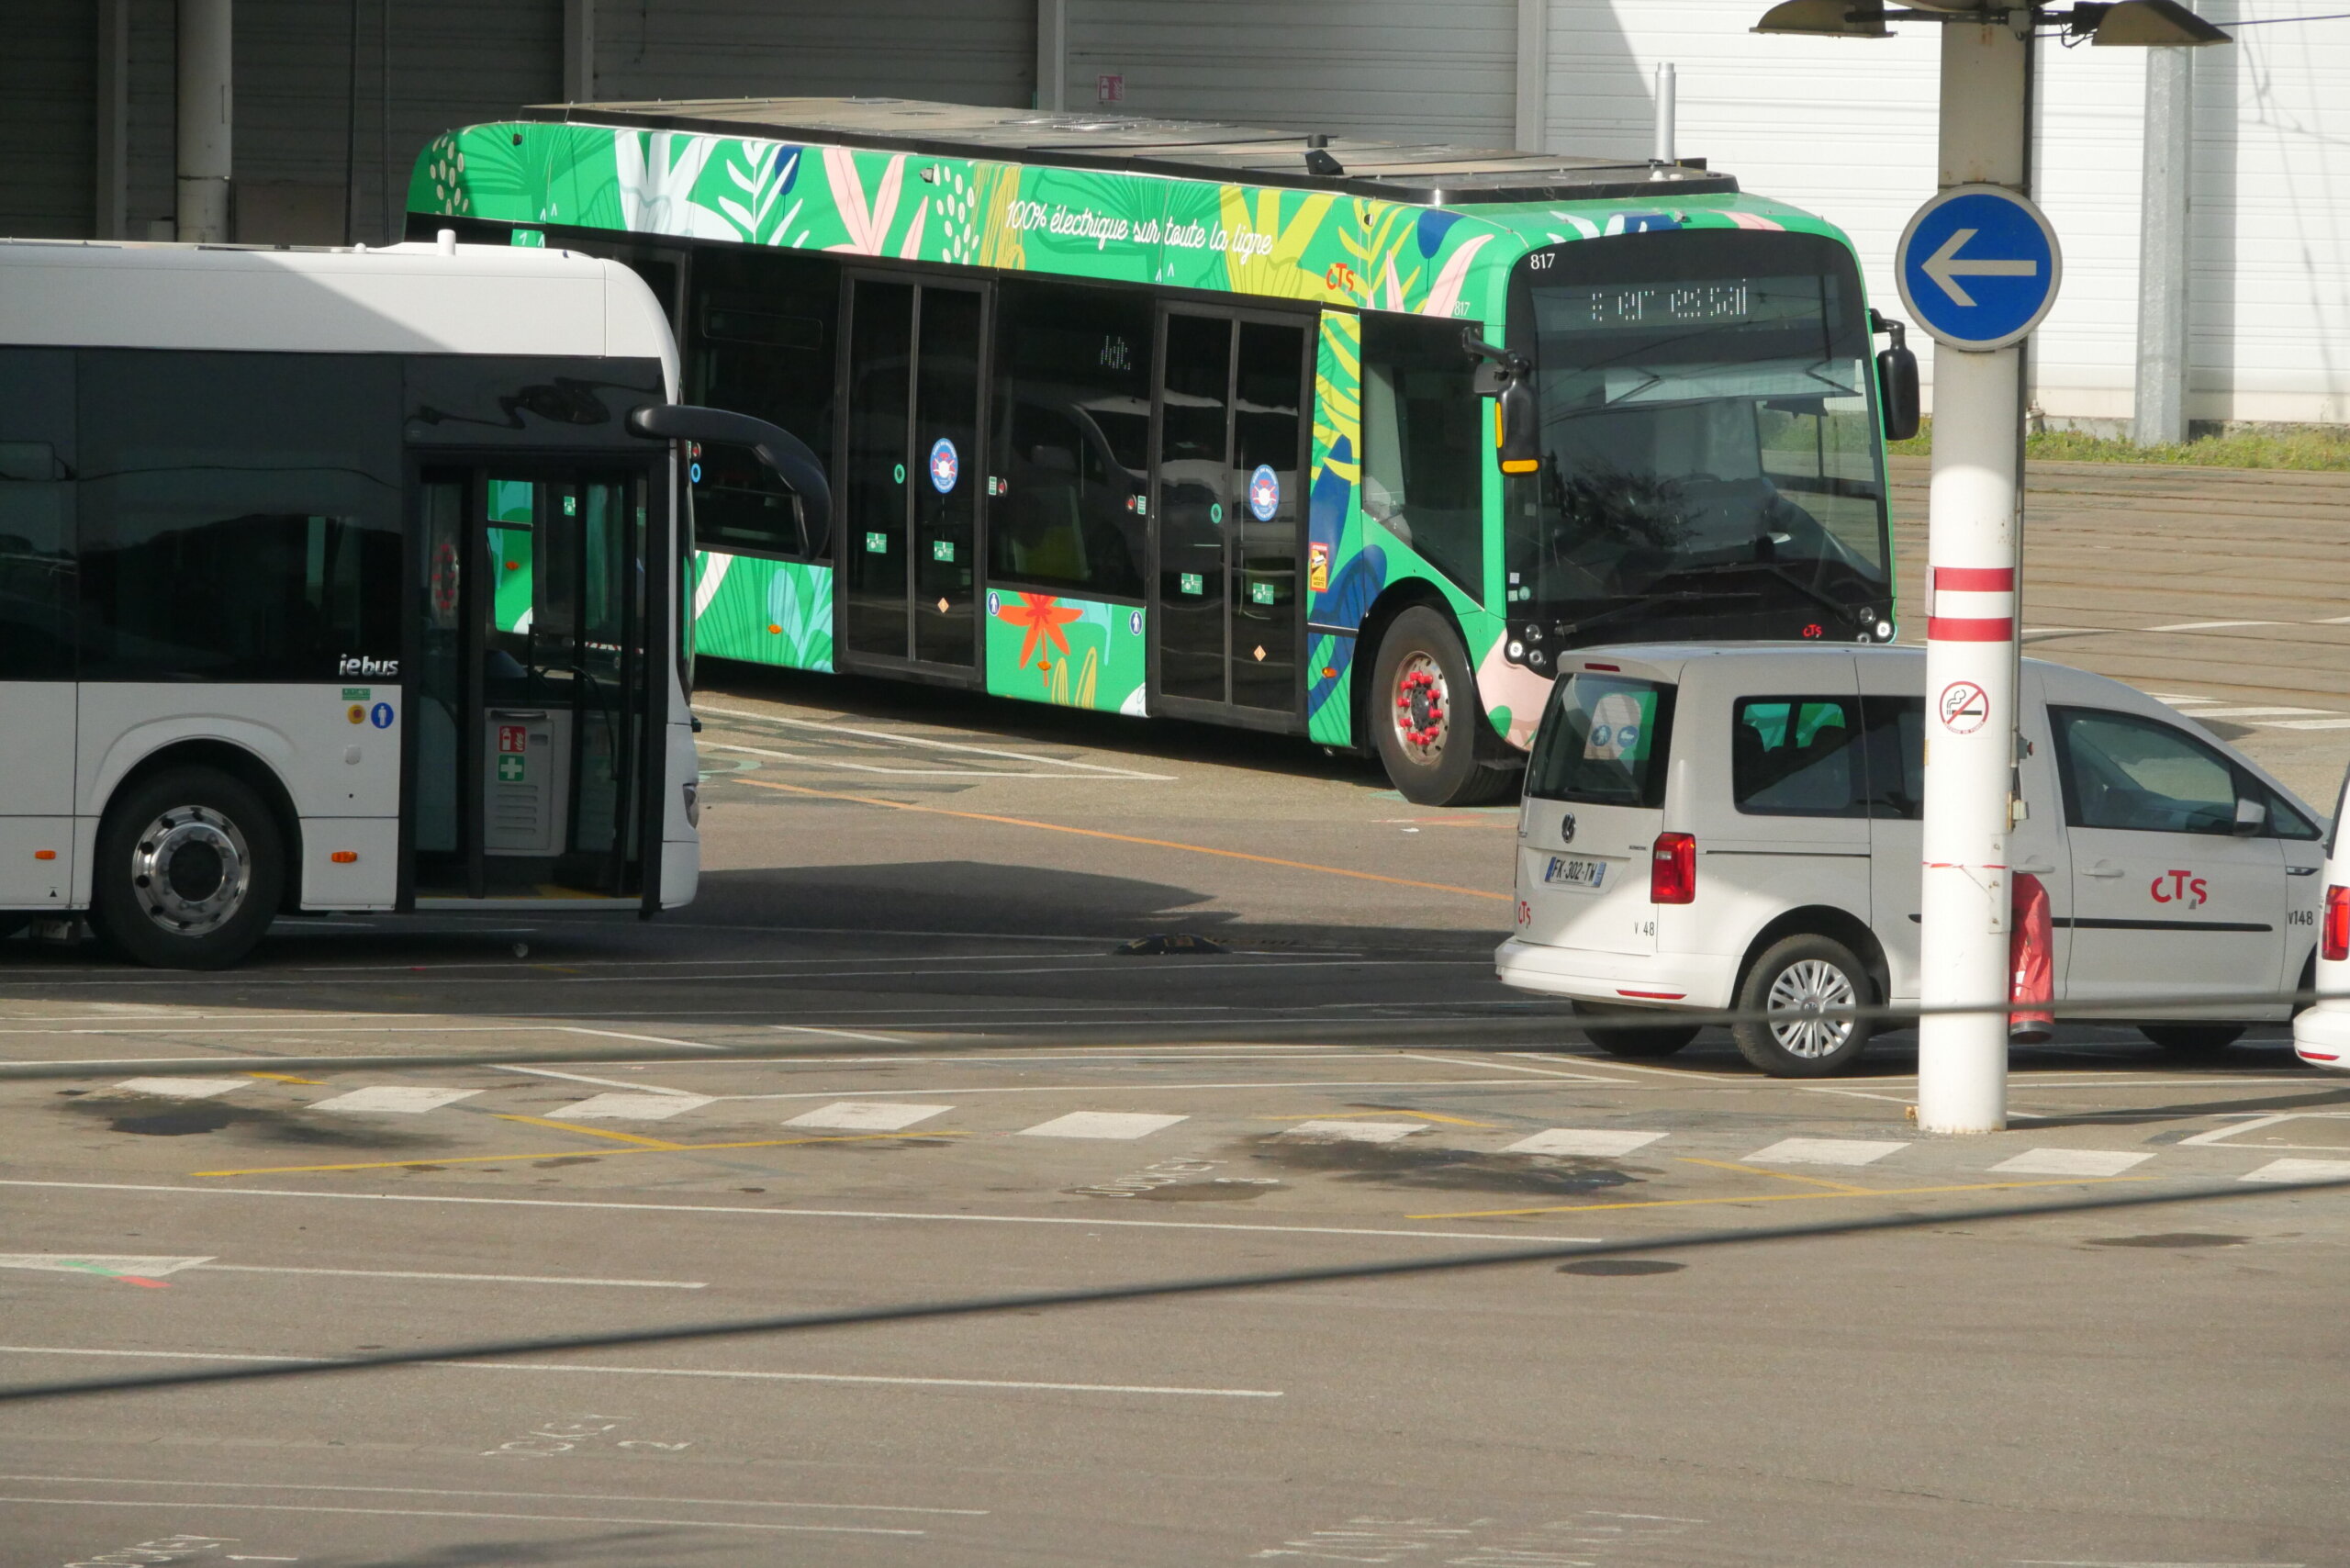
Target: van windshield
[{"x": 1604, "y": 742}]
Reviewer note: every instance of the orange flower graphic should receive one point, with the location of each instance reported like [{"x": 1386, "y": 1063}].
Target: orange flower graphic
[{"x": 1043, "y": 615}]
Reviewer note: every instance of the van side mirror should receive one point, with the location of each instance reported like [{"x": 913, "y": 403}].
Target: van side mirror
[
  {"x": 1508, "y": 380},
  {"x": 1896, "y": 380},
  {"x": 2251, "y": 817},
  {"x": 778, "y": 449}
]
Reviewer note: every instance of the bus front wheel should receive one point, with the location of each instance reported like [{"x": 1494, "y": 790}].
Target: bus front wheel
[
  {"x": 1426, "y": 719},
  {"x": 190, "y": 868}
]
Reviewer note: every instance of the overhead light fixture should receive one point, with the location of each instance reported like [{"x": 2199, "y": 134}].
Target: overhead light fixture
[
  {"x": 2142, "y": 24},
  {"x": 1826, "y": 19}
]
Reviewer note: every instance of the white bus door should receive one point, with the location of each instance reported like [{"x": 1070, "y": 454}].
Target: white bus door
[
  {"x": 36, "y": 629},
  {"x": 528, "y": 732}
]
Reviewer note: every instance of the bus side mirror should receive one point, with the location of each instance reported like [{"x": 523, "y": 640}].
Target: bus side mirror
[
  {"x": 1897, "y": 382},
  {"x": 1517, "y": 432},
  {"x": 782, "y": 452}
]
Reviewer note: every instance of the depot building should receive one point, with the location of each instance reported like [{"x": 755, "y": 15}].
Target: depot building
[{"x": 275, "y": 123}]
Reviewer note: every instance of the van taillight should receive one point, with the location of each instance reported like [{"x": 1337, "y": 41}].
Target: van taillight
[
  {"x": 2334, "y": 945},
  {"x": 1672, "y": 870}
]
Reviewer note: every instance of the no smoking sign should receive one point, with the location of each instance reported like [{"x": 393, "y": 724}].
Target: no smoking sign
[{"x": 1964, "y": 707}]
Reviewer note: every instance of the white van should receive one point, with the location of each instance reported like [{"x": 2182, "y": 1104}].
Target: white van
[
  {"x": 2321, "y": 1032},
  {"x": 1737, "y": 826}
]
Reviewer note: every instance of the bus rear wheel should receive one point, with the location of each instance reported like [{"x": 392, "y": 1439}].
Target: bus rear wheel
[
  {"x": 190, "y": 868},
  {"x": 1426, "y": 719}
]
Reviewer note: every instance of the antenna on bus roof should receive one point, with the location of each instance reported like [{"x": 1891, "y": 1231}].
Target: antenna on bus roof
[{"x": 1660, "y": 156}]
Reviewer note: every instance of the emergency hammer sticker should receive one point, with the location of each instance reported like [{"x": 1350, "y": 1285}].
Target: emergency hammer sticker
[{"x": 1964, "y": 707}]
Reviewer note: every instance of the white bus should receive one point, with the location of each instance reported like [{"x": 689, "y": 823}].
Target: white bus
[{"x": 339, "y": 580}]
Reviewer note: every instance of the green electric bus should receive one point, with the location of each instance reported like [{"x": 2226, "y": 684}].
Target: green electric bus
[{"x": 1164, "y": 418}]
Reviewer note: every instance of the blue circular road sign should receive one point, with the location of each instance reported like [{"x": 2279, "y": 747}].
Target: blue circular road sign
[{"x": 1979, "y": 267}]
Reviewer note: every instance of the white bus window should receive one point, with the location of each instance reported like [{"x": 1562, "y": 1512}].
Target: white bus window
[
  {"x": 36, "y": 514},
  {"x": 238, "y": 516}
]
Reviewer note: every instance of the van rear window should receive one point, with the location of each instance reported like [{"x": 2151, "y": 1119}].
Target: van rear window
[{"x": 1604, "y": 742}]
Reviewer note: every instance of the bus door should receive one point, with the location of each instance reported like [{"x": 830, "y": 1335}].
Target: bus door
[
  {"x": 910, "y": 470},
  {"x": 527, "y": 681},
  {"x": 1229, "y": 486}
]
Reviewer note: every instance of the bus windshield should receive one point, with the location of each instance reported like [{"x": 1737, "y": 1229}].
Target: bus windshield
[{"x": 1710, "y": 456}]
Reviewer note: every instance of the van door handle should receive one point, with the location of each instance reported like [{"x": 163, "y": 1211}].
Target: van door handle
[
  {"x": 2302, "y": 870},
  {"x": 2101, "y": 869},
  {"x": 2037, "y": 867}
]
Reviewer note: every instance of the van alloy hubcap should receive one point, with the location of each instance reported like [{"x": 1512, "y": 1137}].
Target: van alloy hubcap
[
  {"x": 1812, "y": 985},
  {"x": 192, "y": 870},
  {"x": 1423, "y": 711}
]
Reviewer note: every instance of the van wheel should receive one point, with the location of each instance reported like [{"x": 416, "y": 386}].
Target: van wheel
[
  {"x": 1797, "y": 974},
  {"x": 1426, "y": 719},
  {"x": 190, "y": 869},
  {"x": 1613, "y": 1030},
  {"x": 2191, "y": 1039}
]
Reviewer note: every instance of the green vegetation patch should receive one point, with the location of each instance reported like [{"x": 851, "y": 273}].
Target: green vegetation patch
[{"x": 2305, "y": 448}]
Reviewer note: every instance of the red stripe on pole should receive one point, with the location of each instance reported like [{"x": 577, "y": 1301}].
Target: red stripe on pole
[
  {"x": 1970, "y": 629},
  {"x": 1976, "y": 579}
]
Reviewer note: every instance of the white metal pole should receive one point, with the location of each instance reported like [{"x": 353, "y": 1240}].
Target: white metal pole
[
  {"x": 1666, "y": 107},
  {"x": 1533, "y": 74},
  {"x": 206, "y": 117},
  {"x": 2162, "y": 248},
  {"x": 1973, "y": 553}
]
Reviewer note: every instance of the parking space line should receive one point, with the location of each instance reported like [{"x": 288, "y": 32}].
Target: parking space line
[
  {"x": 887, "y": 736},
  {"x": 1127, "y": 838},
  {"x": 1784, "y": 1197},
  {"x": 749, "y": 1212},
  {"x": 637, "y": 1138},
  {"x": 211, "y": 1268},
  {"x": 658, "y": 1148},
  {"x": 1775, "y": 1175}
]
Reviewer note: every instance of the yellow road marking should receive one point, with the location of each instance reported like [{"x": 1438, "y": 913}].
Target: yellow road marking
[
  {"x": 1782, "y": 1175},
  {"x": 1776, "y": 1198},
  {"x": 1416, "y": 1115},
  {"x": 1117, "y": 837},
  {"x": 559, "y": 1154},
  {"x": 588, "y": 1132},
  {"x": 289, "y": 1077}
]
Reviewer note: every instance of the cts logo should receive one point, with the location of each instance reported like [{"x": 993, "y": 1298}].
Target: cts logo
[
  {"x": 2180, "y": 887},
  {"x": 360, "y": 664}
]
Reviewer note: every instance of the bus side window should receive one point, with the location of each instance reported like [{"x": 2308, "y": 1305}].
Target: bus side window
[
  {"x": 762, "y": 341},
  {"x": 36, "y": 514},
  {"x": 1422, "y": 458}
]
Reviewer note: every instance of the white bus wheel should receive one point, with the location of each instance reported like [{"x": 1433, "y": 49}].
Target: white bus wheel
[{"x": 189, "y": 870}]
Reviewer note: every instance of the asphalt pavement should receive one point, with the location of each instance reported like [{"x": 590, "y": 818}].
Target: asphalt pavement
[{"x": 902, "y": 1050}]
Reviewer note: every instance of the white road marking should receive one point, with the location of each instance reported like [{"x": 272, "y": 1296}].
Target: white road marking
[
  {"x": 841, "y": 762},
  {"x": 1506, "y": 1239},
  {"x": 868, "y": 1115},
  {"x": 2301, "y": 1171},
  {"x": 1101, "y": 1124},
  {"x": 1598, "y": 1143},
  {"x": 1334, "y": 1085},
  {"x": 2343, "y": 724},
  {"x": 461, "y": 1513},
  {"x": 1354, "y": 1132},
  {"x": 393, "y": 1098},
  {"x": 210, "y": 1267},
  {"x": 837, "y": 1033},
  {"x": 2209, "y": 625},
  {"x": 525, "y": 1496},
  {"x": 720, "y": 1373},
  {"x": 185, "y": 1088},
  {"x": 647, "y": 1039},
  {"x": 630, "y": 1107},
  {"x": 938, "y": 744},
  {"x": 1824, "y": 1151},
  {"x": 2257, "y": 712},
  {"x": 98, "y": 1263},
  {"x": 2070, "y": 1162},
  {"x": 603, "y": 1083},
  {"x": 2239, "y": 1122}
]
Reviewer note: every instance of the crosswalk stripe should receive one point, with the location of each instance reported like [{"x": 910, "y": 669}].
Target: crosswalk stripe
[
  {"x": 398, "y": 1100},
  {"x": 1102, "y": 1124},
  {"x": 185, "y": 1088},
  {"x": 2301, "y": 1171},
  {"x": 630, "y": 1107},
  {"x": 1354, "y": 1132},
  {"x": 868, "y": 1115},
  {"x": 2070, "y": 1162},
  {"x": 1594, "y": 1142},
  {"x": 1824, "y": 1151}
]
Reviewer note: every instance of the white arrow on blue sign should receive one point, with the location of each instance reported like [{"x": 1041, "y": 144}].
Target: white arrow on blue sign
[{"x": 1979, "y": 267}]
